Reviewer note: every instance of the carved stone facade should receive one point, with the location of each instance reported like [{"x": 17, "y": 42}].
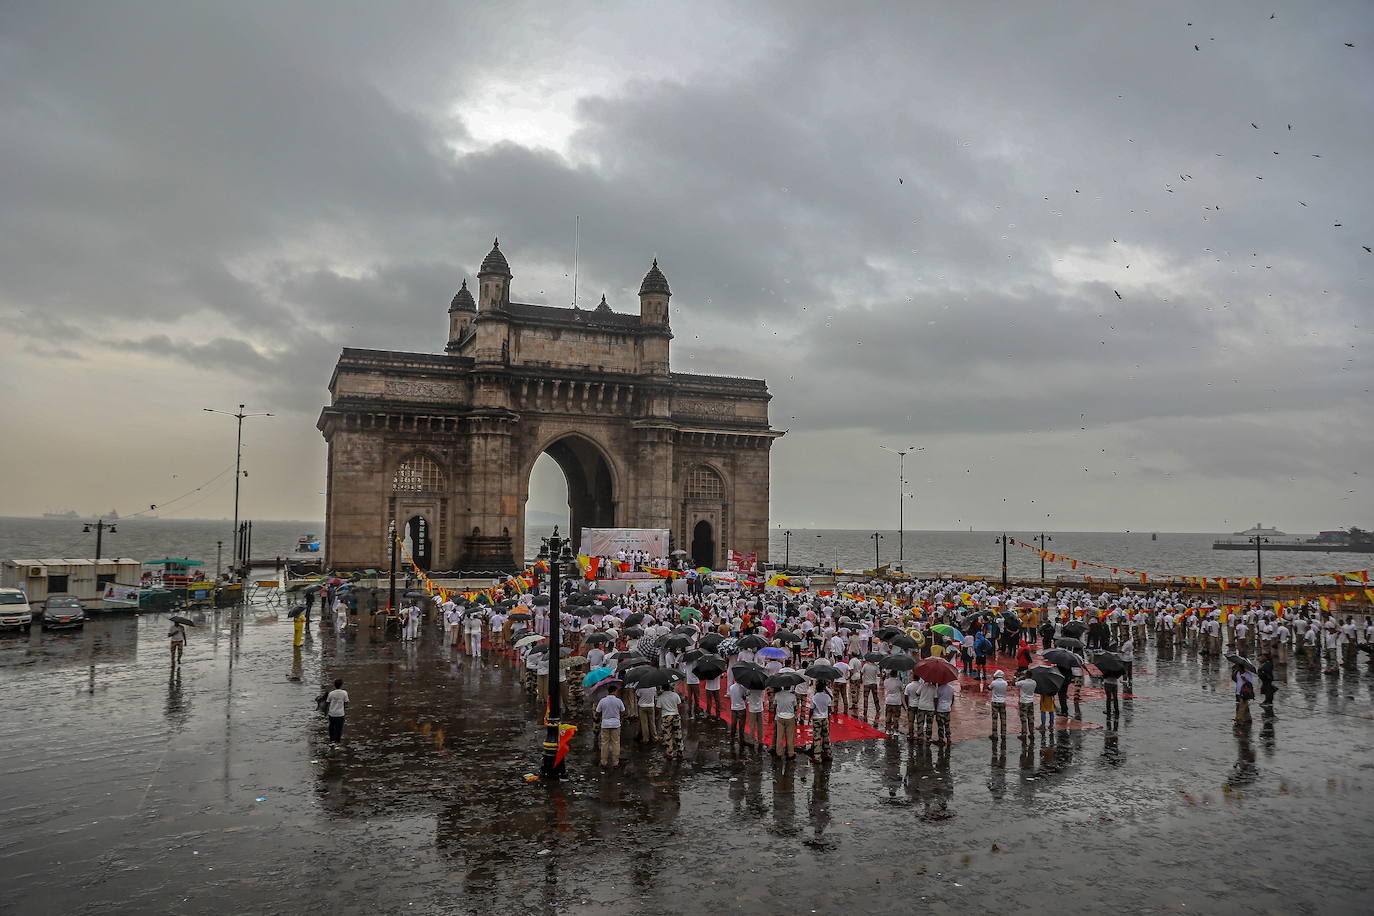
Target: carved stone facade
[{"x": 444, "y": 444}]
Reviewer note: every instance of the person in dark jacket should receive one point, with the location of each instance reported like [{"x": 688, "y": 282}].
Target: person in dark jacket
[{"x": 1266, "y": 676}]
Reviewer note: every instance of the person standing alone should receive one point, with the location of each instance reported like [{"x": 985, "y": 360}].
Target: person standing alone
[
  {"x": 336, "y": 707},
  {"x": 177, "y": 637}
]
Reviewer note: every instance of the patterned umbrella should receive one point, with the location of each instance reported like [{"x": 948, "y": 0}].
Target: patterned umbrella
[
  {"x": 649, "y": 646},
  {"x": 727, "y": 646}
]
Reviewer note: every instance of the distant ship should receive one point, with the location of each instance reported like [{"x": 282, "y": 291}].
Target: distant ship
[
  {"x": 1352, "y": 541},
  {"x": 69, "y": 514}
]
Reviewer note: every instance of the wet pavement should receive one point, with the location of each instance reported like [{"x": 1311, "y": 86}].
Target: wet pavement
[{"x": 130, "y": 789}]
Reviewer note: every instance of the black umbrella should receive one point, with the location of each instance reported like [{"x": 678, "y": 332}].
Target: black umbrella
[
  {"x": 711, "y": 641},
  {"x": 692, "y": 655},
  {"x": 660, "y": 677},
  {"x": 897, "y": 663},
  {"x": 1110, "y": 664},
  {"x": 1231, "y": 657},
  {"x": 634, "y": 619},
  {"x": 623, "y": 654},
  {"x": 1063, "y": 658},
  {"x": 752, "y": 676},
  {"x": 1074, "y": 628},
  {"x": 519, "y": 615},
  {"x": 1068, "y": 642},
  {"x": 596, "y": 639},
  {"x": 710, "y": 666},
  {"x": 540, "y": 600},
  {"x": 787, "y": 636},
  {"x": 1010, "y": 621},
  {"x": 633, "y": 632},
  {"x": 887, "y": 633},
  {"x": 184, "y": 621},
  {"x": 633, "y": 674},
  {"x": 649, "y": 646},
  {"x": 295, "y": 612},
  {"x": 677, "y": 641},
  {"x": 685, "y": 628},
  {"x": 503, "y": 603},
  {"x": 904, "y": 641},
  {"x": 1047, "y": 680},
  {"x": 784, "y": 680},
  {"x": 874, "y": 657},
  {"x": 821, "y": 672},
  {"x": 752, "y": 641}
]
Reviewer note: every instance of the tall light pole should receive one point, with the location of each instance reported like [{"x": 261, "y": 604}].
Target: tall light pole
[
  {"x": 238, "y": 465},
  {"x": 1042, "y": 538},
  {"x": 1003, "y": 541},
  {"x": 100, "y": 526},
  {"x": 901, "y": 500},
  {"x": 876, "y": 538},
  {"x": 557, "y": 552},
  {"x": 787, "y": 549},
  {"x": 1259, "y": 560}
]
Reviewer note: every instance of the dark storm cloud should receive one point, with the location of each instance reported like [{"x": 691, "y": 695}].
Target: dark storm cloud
[{"x": 939, "y": 218}]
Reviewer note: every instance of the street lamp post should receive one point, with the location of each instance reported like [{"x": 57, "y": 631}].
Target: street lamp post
[
  {"x": 391, "y": 593},
  {"x": 557, "y": 552},
  {"x": 238, "y": 468},
  {"x": 787, "y": 549},
  {"x": 1258, "y": 541},
  {"x": 1003, "y": 541},
  {"x": 876, "y": 538},
  {"x": 100, "y": 527},
  {"x": 901, "y": 501},
  {"x": 219, "y": 557},
  {"x": 1042, "y": 538}
]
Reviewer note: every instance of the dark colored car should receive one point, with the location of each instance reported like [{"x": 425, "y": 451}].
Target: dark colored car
[{"x": 63, "y": 611}]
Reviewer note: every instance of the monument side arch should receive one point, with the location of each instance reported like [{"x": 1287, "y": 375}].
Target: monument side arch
[{"x": 642, "y": 446}]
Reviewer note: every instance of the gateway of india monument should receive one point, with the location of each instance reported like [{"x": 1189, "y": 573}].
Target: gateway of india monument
[{"x": 443, "y": 444}]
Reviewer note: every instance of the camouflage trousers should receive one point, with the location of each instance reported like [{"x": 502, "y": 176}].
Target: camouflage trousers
[{"x": 671, "y": 727}]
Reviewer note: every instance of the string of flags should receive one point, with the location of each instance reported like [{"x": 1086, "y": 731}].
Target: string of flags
[
  {"x": 1202, "y": 583},
  {"x": 520, "y": 583}
]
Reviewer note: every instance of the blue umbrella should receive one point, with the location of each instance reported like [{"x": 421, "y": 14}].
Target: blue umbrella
[
  {"x": 597, "y": 674},
  {"x": 774, "y": 652}
]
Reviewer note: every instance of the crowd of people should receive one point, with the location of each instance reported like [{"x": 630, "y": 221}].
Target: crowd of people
[{"x": 890, "y": 654}]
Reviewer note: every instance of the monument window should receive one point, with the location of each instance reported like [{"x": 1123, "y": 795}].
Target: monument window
[
  {"x": 705, "y": 485},
  {"x": 418, "y": 474}
]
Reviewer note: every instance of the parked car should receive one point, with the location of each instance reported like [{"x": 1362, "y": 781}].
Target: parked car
[
  {"x": 14, "y": 609},
  {"x": 63, "y": 611}
]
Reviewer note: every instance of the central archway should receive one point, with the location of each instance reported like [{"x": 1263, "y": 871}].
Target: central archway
[
  {"x": 590, "y": 485},
  {"x": 704, "y": 545}
]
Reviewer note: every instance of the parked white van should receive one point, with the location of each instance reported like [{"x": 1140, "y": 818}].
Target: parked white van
[{"x": 14, "y": 609}]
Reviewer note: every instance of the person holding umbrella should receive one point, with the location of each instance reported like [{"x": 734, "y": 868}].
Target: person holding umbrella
[
  {"x": 177, "y": 638},
  {"x": 784, "y": 723},
  {"x": 820, "y": 721},
  {"x": 1266, "y": 676},
  {"x": 669, "y": 704},
  {"x": 1243, "y": 677}
]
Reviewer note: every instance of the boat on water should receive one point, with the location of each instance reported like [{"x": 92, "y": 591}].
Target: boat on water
[
  {"x": 1259, "y": 537},
  {"x": 309, "y": 543}
]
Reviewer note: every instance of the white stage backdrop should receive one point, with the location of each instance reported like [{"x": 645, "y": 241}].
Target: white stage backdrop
[{"x": 607, "y": 542}]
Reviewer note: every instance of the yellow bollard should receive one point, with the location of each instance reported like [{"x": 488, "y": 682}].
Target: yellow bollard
[{"x": 299, "y": 637}]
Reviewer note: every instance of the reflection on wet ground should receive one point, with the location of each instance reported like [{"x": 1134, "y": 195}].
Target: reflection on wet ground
[{"x": 133, "y": 788}]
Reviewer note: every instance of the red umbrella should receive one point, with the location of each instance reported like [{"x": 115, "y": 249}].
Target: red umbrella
[{"x": 936, "y": 671}]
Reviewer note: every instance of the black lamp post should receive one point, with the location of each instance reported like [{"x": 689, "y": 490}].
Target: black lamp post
[
  {"x": 557, "y": 552},
  {"x": 1042, "y": 538},
  {"x": 1003, "y": 541},
  {"x": 238, "y": 477},
  {"x": 787, "y": 548},
  {"x": 101, "y": 526},
  {"x": 1259, "y": 560},
  {"x": 901, "y": 500},
  {"x": 876, "y": 538}
]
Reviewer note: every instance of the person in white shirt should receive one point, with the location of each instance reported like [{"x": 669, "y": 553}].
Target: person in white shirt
[
  {"x": 925, "y": 709},
  {"x": 472, "y": 631},
  {"x": 737, "y": 694},
  {"x": 785, "y": 724},
  {"x": 997, "y": 699},
  {"x": 869, "y": 674},
  {"x": 892, "y": 703},
  {"x": 646, "y": 698},
  {"x": 910, "y": 693},
  {"x": 753, "y": 715},
  {"x": 669, "y": 704},
  {"x": 820, "y": 722},
  {"x": 608, "y": 711},
  {"x": 453, "y": 621},
  {"x": 1026, "y": 688},
  {"x": 336, "y": 707}
]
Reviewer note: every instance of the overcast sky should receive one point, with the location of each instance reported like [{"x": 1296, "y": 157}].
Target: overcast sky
[{"x": 1096, "y": 275}]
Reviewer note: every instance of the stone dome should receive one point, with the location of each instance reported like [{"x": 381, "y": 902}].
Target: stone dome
[
  {"x": 655, "y": 282},
  {"x": 462, "y": 300},
  {"x": 495, "y": 261}
]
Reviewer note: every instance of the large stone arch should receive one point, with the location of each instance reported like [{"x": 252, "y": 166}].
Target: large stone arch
[{"x": 596, "y": 494}]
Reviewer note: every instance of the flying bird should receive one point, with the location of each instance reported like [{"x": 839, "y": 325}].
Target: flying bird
[
  {"x": 1350, "y": 44},
  {"x": 899, "y": 181},
  {"x": 1368, "y": 249},
  {"x": 1118, "y": 295},
  {"x": 1254, "y": 125},
  {"x": 1196, "y": 48}
]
